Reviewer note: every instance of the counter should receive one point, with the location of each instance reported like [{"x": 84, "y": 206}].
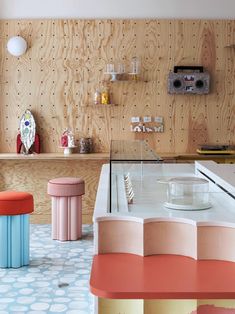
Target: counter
[{"x": 146, "y": 251}]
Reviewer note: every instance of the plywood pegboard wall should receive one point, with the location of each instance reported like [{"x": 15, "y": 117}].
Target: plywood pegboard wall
[{"x": 64, "y": 64}]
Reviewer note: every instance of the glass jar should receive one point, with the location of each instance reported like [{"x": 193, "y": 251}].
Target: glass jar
[
  {"x": 105, "y": 96},
  {"x": 97, "y": 97},
  {"x": 187, "y": 193},
  {"x": 85, "y": 145}
]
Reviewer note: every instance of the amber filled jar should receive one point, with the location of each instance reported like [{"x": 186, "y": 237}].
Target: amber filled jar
[{"x": 105, "y": 99}]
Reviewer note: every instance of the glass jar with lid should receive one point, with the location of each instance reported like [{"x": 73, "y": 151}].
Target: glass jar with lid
[{"x": 187, "y": 193}]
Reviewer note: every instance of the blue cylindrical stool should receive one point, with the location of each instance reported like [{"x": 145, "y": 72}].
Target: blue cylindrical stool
[{"x": 14, "y": 228}]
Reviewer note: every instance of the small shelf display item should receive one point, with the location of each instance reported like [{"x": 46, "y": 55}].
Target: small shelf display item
[
  {"x": 188, "y": 80},
  {"x": 67, "y": 141},
  {"x": 105, "y": 95},
  {"x": 102, "y": 96},
  {"x": 147, "y": 124},
  {"x": 85, "y": 145},
  {"x": 135, "y": 69},
  {"x": 115, "y": 74},
  {"x": 97, "y": 97},
  {"x": 119, "y": 73},
  {"x": 27, "y": 141}
]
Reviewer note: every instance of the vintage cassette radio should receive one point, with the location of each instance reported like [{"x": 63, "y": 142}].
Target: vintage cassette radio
[{"x": 188, "y": 80}]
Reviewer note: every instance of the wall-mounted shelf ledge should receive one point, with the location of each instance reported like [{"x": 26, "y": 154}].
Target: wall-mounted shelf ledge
[
  {"x": 102, "y": 105},
  {"x": 54, "y": 156},
  {"x": 130, "y": 81},
  {"x": 230, "y": 46}
]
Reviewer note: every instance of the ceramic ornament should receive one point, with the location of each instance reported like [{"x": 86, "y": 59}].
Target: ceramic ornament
[
  {"x": 67, "y": 141},
  {"x": 27, "y": 130}
]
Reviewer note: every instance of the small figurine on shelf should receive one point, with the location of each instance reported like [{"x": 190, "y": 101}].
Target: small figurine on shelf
[
  {"x": 64, "y": 139},
  {"x": 27, "y": 140},
  {"x": 67, "y": 141}
]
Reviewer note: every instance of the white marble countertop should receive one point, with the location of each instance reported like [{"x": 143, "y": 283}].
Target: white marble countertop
[{"x": 150, "y": 195}]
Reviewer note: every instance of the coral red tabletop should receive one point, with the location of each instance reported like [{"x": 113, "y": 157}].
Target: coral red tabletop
[{"x": 128, "y": 276}]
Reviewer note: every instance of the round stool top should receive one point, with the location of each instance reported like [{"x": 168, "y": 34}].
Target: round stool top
[
  {"x": 15, "y": 203},
  {"x": 66, "y": 187}
]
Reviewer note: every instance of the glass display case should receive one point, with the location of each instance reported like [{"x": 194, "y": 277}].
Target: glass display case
[{"x": 129, "y": 162}]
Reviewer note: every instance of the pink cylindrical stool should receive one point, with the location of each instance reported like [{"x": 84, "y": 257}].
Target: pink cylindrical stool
[{"x": 66, "y": 196}]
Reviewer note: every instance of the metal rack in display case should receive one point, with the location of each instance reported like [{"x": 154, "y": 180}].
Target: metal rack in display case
[{"x": 128, "y": 167}]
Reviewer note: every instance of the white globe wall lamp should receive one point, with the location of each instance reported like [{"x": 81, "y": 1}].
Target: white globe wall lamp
[{"x": 17, "y": 46}]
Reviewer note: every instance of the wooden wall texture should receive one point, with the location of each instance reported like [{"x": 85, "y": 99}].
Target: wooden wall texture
[
  {"x": 32, "y": 176},
  {"x": 65, "y": 62}
]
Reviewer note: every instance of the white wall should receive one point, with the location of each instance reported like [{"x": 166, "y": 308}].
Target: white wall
[{"x": 224, "y": 9}]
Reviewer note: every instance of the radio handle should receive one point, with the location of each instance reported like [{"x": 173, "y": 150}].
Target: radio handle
[{"x": 187, "y": 67}]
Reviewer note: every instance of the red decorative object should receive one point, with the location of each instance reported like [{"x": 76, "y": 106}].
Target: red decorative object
[
  {"x": 64, "y": 140},
  {"x": 20, "y": 146}
]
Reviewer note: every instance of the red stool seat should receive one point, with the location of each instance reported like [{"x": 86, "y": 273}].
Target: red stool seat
[
  {"x": 66, "y": 187},
  {"x": 15, "y": 208},
  {"x": 15, "y": 203}
]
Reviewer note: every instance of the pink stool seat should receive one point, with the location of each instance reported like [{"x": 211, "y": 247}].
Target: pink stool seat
[
  {"x": 66, "y": 194},
  {"x": 66, "y": 187}
]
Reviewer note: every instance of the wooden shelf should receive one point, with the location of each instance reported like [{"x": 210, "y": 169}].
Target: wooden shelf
[
  {"x": 100, "y": 156},
  {"x": 194, "y": 156},
  {"x": 103, "y": 105},
  {"x": 126, "y": 77},
  {"x": 130, "y": 81},
  {"x": 230, "y": 46},
  {"x": 54, "y": 156}
]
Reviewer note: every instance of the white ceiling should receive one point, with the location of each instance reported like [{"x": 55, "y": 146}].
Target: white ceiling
[{"x": 224, "y": 9}]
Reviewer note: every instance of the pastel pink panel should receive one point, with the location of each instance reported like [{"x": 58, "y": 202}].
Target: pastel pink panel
[
  {"x": 170, "y": 238},
  {"x": 66, "y": 218},
  {"x": 120, "y": 236},
  {"x": 76, "y": 218},
  {"x": 216, "y": 243},
  {"x": 54, "y": 217}
]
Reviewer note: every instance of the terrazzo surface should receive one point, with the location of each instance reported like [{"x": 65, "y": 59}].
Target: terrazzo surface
[{"x": 57, "y": 279}]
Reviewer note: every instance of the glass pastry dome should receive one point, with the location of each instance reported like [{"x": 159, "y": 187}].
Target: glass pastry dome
[{"x": 187, "y": 193}]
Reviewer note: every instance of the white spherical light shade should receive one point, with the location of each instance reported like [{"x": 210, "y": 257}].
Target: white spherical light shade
[{"x": 17, "y": 46}]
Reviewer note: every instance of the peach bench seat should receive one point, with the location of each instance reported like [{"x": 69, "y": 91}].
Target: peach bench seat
[
  {"x": 66, "y": 195},
  {"x": 129, "y": 276},
  {"x": 15, "y": 208}
]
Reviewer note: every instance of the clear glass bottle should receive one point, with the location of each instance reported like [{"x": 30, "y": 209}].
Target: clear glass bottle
[
  {"x": 97, "y": 97},
  {"x": 135, "y": 68}
]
